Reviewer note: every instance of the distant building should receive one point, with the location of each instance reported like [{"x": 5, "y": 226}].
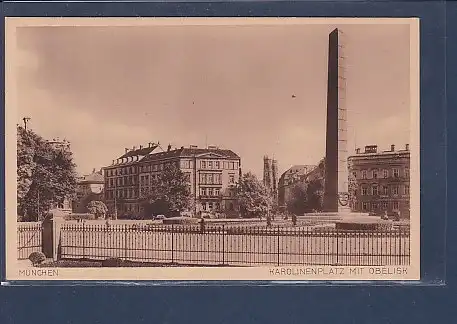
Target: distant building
[
  {"x": 121, "y": 180},
  {"x": 212, "y": 173},
  {"x": 270, "y": 175},
  {"x": 382, "y": 180},
  {"x": 89, "y": 188},
  {"x": 296, "y": 174}
]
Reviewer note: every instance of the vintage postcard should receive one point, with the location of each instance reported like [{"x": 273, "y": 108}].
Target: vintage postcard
[{"x": 212, "y": 149}]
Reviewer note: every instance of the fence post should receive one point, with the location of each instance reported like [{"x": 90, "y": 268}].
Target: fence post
[
  {"x": 83, "y": 228},
  {"x": 399, "y": 246},
  {"x": 223, "y": 244},
  {"x": 337, "y": 237},
  {"x": 125, "y": 240},
  {"x": 172, "y": 244},
  {"x": 278, "y": 243}
]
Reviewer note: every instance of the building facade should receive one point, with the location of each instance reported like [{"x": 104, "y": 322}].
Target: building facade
[
  {"x": 296, "y": 174},
  {"x": 382, "y": 180},
  {"x": 89, "y": 187},
  {"x": 212, "y": 174},
  {"x": 121, "y": 180}
]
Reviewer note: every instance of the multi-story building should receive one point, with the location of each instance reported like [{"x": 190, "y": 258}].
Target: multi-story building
[
  {"x": 121, "y": 180},
  {"x": 294, "y": 175},
  {"x": 89, "y": 187},
  {"x": 382, "y": 180},
  {"x": 212, "y": 173},
  {"x": 270, "y": 175}
]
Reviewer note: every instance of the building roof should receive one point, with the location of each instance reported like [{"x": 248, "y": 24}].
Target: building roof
[
  {"x": 192, "y": 152},
  {"x": 139, "y": 152},
  {"x": 95, "y": 177}
]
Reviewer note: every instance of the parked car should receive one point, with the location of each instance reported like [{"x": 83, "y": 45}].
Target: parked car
[{"x": 159, "y": 217}]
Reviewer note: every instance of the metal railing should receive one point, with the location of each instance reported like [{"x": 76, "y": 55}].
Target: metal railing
[
  {"x": 234, "y": 245},
  {"x": 29, "y": 239}
]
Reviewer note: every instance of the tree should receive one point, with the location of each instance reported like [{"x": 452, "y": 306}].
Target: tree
[
  {"x": 169, "y": 192},
  {"x": 298, "y": 204},
  {"x": 315, "y": 194},
  {"x": 253, "y": 197},
  {"x": 352, "y": 189},
  {"x": 98, "y": 208},
  {"x": 46, "y": 175}
]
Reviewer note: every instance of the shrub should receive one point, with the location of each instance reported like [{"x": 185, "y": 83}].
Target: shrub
[
  {"x": 113, "y": 262},
  {"x": 37, "y": 258},
  {"x": 79, "y": 216}
]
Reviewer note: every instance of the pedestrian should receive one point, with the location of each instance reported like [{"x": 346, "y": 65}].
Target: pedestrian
[{"x": 294, "y": 219}]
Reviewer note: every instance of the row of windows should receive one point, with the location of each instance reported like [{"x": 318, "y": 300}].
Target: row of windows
[
  {"x": 122, "y": 181},
  {"x": 384, "y": 205},
  {"x": 210, "y": 178},
  {"x": 385, "y": 173},
  {"x": 384, "y": 190},
  {"x": 210, "y": 192},
  {"x": 226, "y": 165},
  {"x": 122, "y": 193},
  {"x": 121, "y": 171},
  {"x": 157, "y": 167}
]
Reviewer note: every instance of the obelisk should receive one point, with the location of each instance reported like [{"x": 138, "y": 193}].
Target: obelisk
[{"x": 336, "y": 168}]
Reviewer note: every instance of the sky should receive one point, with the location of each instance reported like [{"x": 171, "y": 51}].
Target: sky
[{"x": 255, "y": 89}]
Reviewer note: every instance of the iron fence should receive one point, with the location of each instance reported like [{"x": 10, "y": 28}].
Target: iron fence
[
  {"x": 29, "y": 239},
  {"x": 234, "y": 245}
]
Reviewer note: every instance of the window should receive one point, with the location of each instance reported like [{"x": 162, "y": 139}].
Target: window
[
  {"x": 354, "y": 174},
  {"x": 395, "y": 205},
  {"x": 204, "y": 206},
  {"x": 203, "y": 164},
  {"x": 364, "y": 191},
  {"x": 395, "y": 190},
  {"x": 364, "y": 174},
  {"x": 217, "y": 192},
  {"x": 203, "y": 178},
  {"x": 396, "y": 173},
  {"x": 217, "y": 206},
  {"x": 374, "y": 190},
  {"x": 406, "y": 173},
  {"x": 364, "y": 205},
  {"x": 385, "y": 173},
  {"x": 385, "y": 190},
  {"x": 384, "y": 205},
  {"x": 231, "y": 178},
  {"x": 210, "y": 164},
  {"x": 406, "y": 189},
  {"x": 375, "y": 174},
  {"x": 216, "y": 164},
  {"x": 202, "y": 191},
  {"x": 210, "y": 191},
  {"x": 374, "y": 206}
]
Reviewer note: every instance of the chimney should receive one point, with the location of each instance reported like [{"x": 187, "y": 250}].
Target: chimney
[
  {"x": 407, "y": 147},
  {"x": 113, "y": 161},
  {"x": 126, "y": 150},
  {"x": 182, "y": 147},
  {"x": 357, "y": 150},
  {"x": 392, "y": 148},
  {"x": 141, "y": 146},
  {"x": 134, "y": 148},
  {"x": 149, "y": 144},
  {"x": 193, "y": 146},
  {"x": 169, "y": 148},
  {"x": 93, "y": 170}
]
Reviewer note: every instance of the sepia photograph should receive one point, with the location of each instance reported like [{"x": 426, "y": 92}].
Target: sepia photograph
[{"x": 212, "y": 149}]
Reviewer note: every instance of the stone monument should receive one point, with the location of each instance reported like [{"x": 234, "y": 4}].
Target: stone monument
[{"x": 336, "y": 196}]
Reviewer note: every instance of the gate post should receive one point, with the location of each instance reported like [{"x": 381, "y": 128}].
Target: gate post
[{"x": 50, "y": 235}]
